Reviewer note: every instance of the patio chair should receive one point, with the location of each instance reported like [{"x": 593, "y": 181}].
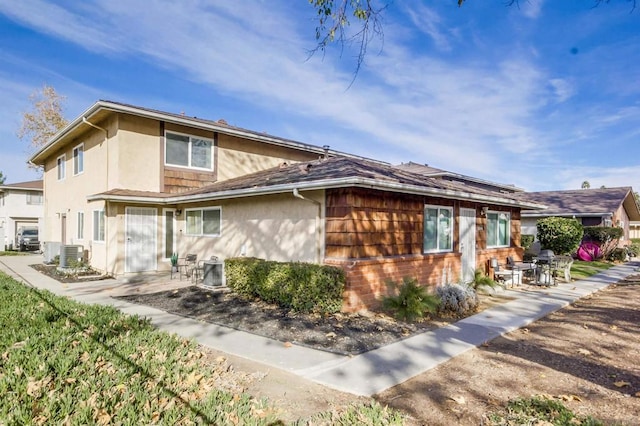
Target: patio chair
[
  {"x": 563, "y": 267},
  {"x": 504, "y": 275},
  {"x": 526, "y": 268},
  {"x": 187, "y": 264}
]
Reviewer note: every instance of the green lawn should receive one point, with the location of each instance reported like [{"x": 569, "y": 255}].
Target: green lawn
[
  {"x": 66, "y": 362},
  {"x": 581, "y": 269}
]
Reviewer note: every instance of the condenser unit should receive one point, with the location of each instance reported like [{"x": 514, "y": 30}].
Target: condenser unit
[
  {"x": 69, "y": 254},
  {"x": 213, "y": 273}
]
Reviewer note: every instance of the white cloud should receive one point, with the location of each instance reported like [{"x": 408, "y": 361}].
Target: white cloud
[
  {"x": 563, "y": 89},
  {"x": 427, "y": 21},
  {"x": 532, "y": 8}
]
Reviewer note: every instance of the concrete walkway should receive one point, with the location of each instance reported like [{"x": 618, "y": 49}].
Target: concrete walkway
[{"x": 366, "y": 374}]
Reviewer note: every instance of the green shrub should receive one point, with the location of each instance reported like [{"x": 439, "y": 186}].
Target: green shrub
[
  {"x": 526, "y": 241},
  {"x": 559, "y": 234},
  {"x": 618, "y": 255},
  {"x": 299, "y": 286},
  {"x": 456, "y": 299},
  {"x": 602, "y": 234},
  {"x": 633, "y": 249},
  {"x": 482, "y": 280},
  {"x": 411, "y": 301},
  {"x": 607, "y": 237}
]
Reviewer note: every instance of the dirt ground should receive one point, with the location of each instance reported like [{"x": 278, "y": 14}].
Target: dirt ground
[
  {"x": 345, "y": 334},
  {"x": 587, "y": 356}
]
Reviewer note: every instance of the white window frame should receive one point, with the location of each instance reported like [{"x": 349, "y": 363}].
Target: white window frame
[
  {"x": 61, "y": 166},
  {"x": 99, "y": 225},
  {"x": 189, "y": 151},
  {"x": 438, "y": 248},
  {"x": 78, "y": 159},
  {"x": 201, "y": 231},
  {"x": 496, "y": 244},
  {"x": 80, "y": 226},
  {"x": 30, "y": 197}
]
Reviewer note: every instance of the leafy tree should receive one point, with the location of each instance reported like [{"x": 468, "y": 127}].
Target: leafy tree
[
  {"x": 2, "y": 178},
  {"x": 44, "y": 119},
  {"x": 559, "y": 234},
  {"x": 586, "y": 184}
]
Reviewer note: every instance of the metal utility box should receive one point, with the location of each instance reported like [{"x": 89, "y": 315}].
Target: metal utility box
[{"x": 213, "y": 273}]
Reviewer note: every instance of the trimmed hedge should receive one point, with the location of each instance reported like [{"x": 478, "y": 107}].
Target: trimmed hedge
[
  {"x": 602, "y": 234},
  {"x": 303, "y": 287},
  {"x": 562, "y": 235}
]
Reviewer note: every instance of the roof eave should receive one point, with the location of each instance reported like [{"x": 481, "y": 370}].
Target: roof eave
[
  {"x": 319, "y": 185},
  {"x": 41, "y": 154}
]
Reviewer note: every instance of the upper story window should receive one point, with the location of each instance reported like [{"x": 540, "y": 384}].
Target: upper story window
[
  {"x": 34, "y": 198},
  {"x": 438, "y": 229},
  {"x": 61, "y": 164},
  {"x": 78, "y": 159},
  {"x": 188, "y": 151},
  {"x": 498, "y": 229},
  {"x": 204, "y": 221}
]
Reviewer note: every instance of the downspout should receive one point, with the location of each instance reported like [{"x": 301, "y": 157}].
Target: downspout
[{"x": 297, "y": 194}]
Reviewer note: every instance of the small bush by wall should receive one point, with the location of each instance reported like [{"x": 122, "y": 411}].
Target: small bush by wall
[
  {"x": 456, "y": 299},
  {"x": 299, "y": 286},
  {"x": 409, "y": 301}
]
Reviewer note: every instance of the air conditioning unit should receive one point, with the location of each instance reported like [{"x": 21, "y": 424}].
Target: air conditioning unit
[
  {"x": 50, "y": 249},
  {"x": 69, "y": 254},
  {"x": 213, "y": 274}
]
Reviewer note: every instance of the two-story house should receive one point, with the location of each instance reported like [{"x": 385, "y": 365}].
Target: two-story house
[
  {"x": 134, "y": 185},
  {"x": 21, "y": 204}
]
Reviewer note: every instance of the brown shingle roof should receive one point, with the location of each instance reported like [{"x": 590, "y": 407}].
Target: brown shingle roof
[
  {"x": 333, "y": 172},
  {"x": 581, "y": 202},
  {"x": 32, "y": 185}
]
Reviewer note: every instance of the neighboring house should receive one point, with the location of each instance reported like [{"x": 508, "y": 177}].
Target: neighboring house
[
  {"x": 592, "y": 207},
  {"x": 134, "y": 185},
  {"x": 21, "y": 204}
]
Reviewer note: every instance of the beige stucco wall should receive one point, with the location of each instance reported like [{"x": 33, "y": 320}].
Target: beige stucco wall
[
  {"x": 69, "y": 196},
  {"x": 138, "y": 154},
  {"x": 279, "y": 227},
  {"x": 131, "y": 158},
  {"x": 237, "y": 157}
]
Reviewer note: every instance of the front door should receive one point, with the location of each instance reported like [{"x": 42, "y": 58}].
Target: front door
[
  {"x": 140, "y": 239},
  {"x": 468, "y": 244}
]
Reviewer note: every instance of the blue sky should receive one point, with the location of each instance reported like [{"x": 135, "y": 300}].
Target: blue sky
[{"x": 542, "y": 96}]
